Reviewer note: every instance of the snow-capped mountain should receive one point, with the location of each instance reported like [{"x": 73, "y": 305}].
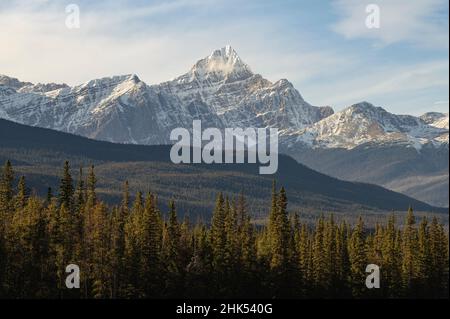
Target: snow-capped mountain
[
  {"x": 220, "y": 89},
  {"x": 436, "y": 119},
  {"x": 361, "y": 143},
  {"x": 364, "y": 123},
  {"x": 439, "y": 120},
  {"x": 368, "y": 144}
]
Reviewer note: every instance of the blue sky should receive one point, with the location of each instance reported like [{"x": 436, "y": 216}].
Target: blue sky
[{"x": 322, "y": 47}]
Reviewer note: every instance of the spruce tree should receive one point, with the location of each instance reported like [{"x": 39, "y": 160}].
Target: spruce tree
[
  {"x": 100, "y": 269},
  {"x": 358, "y": 260},
  {"x": 391, "y": 263},
  {"x": 318, "y": 256},
  {"x": 279, "y": 231},
  {"x": 171, "y": 251},
  {"x": 49, "y": 195},
  {"x": 218, "y": 235},
  {"x": 173, "y": 240},
  {"x": 439, "y": 259},
  {"x": 22, "y": 194},
  {"x": 66, "y": 190},
  {"x": 80, "y": 200},
  {"x": 342, "y": 258},
  {"x": 91, "y": 185},
  {"x": 6, "y": 189},
  {"x": 150, "y": 239},
  {"x": 409, "y": 250},
  {"x": 329, "y": 251},
  {"x": 119, "y": 220},
  {"x": 304, "y": 255},
  {"x": 231, "y": 233},
  {"x": 133, "y": 248}
]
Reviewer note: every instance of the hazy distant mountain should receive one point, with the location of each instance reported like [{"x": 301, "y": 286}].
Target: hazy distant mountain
[{"x": 222, "y": 91}]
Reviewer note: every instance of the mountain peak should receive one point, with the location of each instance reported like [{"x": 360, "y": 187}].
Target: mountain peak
[
  {"x": 224, "y": 62},
  {"x": 431, "y": 117},
  {"x": 364, "y": 105},
  {"x": 227, "y": 52},
  {"x": 12, "y": 82}
]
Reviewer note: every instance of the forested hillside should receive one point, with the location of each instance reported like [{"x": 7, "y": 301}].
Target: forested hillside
[
  {"x": 135, "y": 250},
  {"x": 37, "y": 153}
]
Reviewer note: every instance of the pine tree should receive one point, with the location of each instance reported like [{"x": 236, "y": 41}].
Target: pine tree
[
  {"x": 409, "y": 249},
  {"x": 218, "y": 235},
  {"x": 132, "y": 249},
  {"x": 174, "y": 236},
  {"x": 100, "y": 257},
  {"x": 22, "y": 194},
  {"x": 391, "y": 263},
  {"x": 28, "y": 234},
  {"x": 330, "y": 254},
  {"x": 126, "y": 198},
  {"x": 91, "y": 185},
  {"x": 279, "y": 231},
  {"x": 318, "y": 256},
  {"x": 80, "y": 200},
  {"x": 439, "y": 259},
  {"x": 151, "y": 244},
  {"x": 246, "y": 236},
  {"x": 248, "y": 245},
  {"x": 66, "y": 190},
  {"x": 6, "y": 189},
  {"x": 118, "y": 239},
  {"x": 358, "y": 261},
  {"x": 231, "y": 233},
  {"x": 423, "y": 256},
  {"x": 63, "y": 235},
  {"x": 171, "y": 248},
  {"x": 375, "y": 252},
  {"x": 342, "y": 259},
  {"x": 304, "y": 255},
  {"x": 49, "y": 195},
  {"x": 199, "y": 268}
]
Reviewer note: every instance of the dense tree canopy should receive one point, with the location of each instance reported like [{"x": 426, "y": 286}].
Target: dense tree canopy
[{"x": 133, "y": 250}]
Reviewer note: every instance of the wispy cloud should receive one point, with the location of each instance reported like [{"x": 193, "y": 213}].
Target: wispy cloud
[
  {"x": 156, "y": 40},
  {"x": 112, "y": 39}
]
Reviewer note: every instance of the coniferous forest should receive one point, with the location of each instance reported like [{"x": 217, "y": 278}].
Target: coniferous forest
[{"x": 133, "y": 250}]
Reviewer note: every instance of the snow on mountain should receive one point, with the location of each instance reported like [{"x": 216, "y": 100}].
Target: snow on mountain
[
  {"x": 241, "y": 98},
  {"x": 364, "y": 123},
  {"x": 220, "y": 89},
  {"x": 432, "y": 117},
  {"x": 441, "y": 122}
]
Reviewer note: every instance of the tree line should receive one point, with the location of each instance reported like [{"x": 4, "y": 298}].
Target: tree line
[{"x": 133, "y": 250}]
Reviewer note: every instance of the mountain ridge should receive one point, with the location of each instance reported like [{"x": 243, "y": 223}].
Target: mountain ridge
[
  {"x": 220, "y": 89},
  {"x": 223, "y": 91}
]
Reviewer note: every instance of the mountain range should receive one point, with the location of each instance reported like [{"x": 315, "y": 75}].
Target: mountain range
[{"x": 360, "y": 143}]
